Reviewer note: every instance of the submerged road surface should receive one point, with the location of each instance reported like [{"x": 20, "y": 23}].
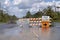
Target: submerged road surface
[{"x": 16, "y": 32}]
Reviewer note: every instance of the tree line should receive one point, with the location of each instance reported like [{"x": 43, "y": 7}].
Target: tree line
[
  {"x": 47, "y": 12},
  {"x": 5, "y": 17}
]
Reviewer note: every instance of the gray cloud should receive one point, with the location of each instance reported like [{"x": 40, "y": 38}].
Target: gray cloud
[
  {"x": 23, "y": 6},
  {"x": 20, "y": 8}
]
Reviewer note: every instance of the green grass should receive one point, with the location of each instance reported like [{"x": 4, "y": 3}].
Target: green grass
[{"x": 56, "y": 20}]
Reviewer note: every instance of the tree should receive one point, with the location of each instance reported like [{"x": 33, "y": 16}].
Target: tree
[
  {"x": 50, "y": 12},
  {"x": 28, "y": 15},
  {"x": 14, "y": 17},
  {"x": 38, "y": 14},
  {"x": 5, "y": 17}
]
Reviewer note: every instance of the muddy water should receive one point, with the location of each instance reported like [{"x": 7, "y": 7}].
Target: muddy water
[{"x": 34, "y": 33}]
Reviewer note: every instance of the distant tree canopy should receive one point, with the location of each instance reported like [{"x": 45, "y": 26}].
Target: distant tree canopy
[
  {"x": 28, "y": 15},
  {"x": 51, "y": 13},
  {"x": 47, "y": 11},
  {"x": 4, "y": 17},
  {"x": 38, "y": 14}
]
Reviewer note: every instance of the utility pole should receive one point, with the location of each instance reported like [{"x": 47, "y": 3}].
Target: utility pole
[
  {"x": 0, "y": 5},
  {"x": 54, "y": 5},
  {"x": 58, "y": 8}
]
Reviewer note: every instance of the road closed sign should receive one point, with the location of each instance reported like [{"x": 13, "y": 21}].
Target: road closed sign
[{"x": 45, "y": 18}]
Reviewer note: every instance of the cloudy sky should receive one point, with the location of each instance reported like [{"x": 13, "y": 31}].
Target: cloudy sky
[{"x": 20, "y": 7}]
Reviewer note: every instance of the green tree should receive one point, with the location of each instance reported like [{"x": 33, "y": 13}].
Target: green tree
[
  {"x": 50, "y": 12},
  {"x": 5, "y": 17},
  {"x": 14, "y": 17},
  {"x": 38, "y": 14},
  {"x": 28, "y": 15}
]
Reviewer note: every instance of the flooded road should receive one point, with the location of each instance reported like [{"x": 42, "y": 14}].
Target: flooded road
[{"x": 16, "y": 32}]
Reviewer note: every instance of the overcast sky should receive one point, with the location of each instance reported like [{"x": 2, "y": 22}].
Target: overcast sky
[{"x": 20, "y": 7}]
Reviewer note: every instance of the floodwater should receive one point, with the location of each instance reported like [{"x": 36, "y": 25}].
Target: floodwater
[{"x": 23, "y": 32}]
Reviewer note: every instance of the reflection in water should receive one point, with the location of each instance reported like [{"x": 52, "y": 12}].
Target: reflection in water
[
  {"x": 26, "y": 33},
  {"x": 45, "y": 34},
  {"x": 45, "y": 29}
]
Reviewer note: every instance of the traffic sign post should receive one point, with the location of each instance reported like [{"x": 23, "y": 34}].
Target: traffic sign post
[{"x": 45, "y": 21}]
